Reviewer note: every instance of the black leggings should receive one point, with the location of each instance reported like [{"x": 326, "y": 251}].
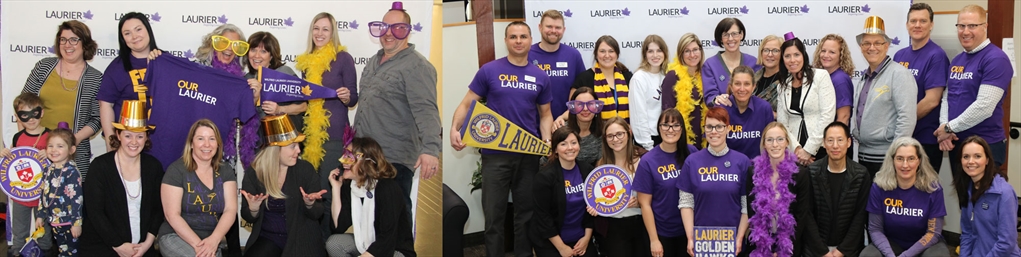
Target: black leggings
[{"x": 263, "y": 247}]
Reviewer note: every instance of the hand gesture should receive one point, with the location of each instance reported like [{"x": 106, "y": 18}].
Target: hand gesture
[
  {"x": 153, "y": 54},
  {"x": 344, "y": 94},
  {"x": 207, "y": 247},
  {"x": 336, "y": 179},
  {"x": 580, "y": 247},
  {"x": 125, "y": 250},
  {"x": 254, "y": 200},
  {"x": 39, "y": 223},
  {"x": 455, "y": 140},
  {"x": 311, "y": 198},
  {"x": 6, "y": 153},
  {"x": 428, "y": 164},
  {"x": 722, "y": 100}
]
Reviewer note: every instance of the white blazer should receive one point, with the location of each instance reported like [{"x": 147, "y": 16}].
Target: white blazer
[{"x": 818, "y": 104}]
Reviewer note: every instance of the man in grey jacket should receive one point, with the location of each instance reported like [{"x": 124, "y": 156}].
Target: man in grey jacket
[
  {"x": 885, "y": 98},
  {"x": 398, "y": 101}
]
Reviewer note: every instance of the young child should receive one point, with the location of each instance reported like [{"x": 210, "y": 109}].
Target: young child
[
  {"x": 19, "y": 214},
  {"x": 60, "y": 204}
]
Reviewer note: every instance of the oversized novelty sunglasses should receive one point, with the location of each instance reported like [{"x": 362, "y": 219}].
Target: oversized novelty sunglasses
[
  {"x": 399, "y": 30},
  {"x": 35, "y": 113},
  {"x": 577, "y": 107},
  {"x": 221, "y": 43}
]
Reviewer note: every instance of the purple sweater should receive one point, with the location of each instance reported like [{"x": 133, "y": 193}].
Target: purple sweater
[{"x": 341, "y": 74}]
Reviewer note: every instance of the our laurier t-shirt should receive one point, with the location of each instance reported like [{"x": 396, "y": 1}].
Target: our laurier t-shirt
[
  {"x": 119, "y": 85},
  {"x": 930, "y": 67},
  {"x": 657, "y": 174},
  {"x": 562, "y": 66},
  {"x": 201, "y": 206},
  {"x": 745, "y": 130},
  {"x": 967, "y": 71},
  {"x": 574, "y": 186},
  {"x": 717, "y": 184},
  {"x": 514, "y": 92},
  {"x": 905, "y": 212}
]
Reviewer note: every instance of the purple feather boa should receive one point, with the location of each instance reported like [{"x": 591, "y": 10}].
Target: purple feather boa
[{"x": 768, "y": 206}]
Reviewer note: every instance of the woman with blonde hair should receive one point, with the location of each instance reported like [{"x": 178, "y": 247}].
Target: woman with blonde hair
[
  {"x": 682, "y": 87},
  {"x": 834, "y": 56},
  {"x": 765, "y": 78},
  {"x": 905, "y": 206},
  {"x": 281, "y": 197},
  {"x": 772, "y": 220},
  {"x": 645, "y": 93}
]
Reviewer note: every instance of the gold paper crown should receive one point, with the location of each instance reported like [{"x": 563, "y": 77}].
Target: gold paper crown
[
  {"x": 873, "y": 26},
  {"x": 280, "y": 131},
  {"x": 134, "y": 117}
]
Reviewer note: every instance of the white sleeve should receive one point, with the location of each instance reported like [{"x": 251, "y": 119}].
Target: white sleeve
[
  {"x": 826, "y": 98},
  {"x": 944, "y": 110},
  {"x": 783, "y": 115},
  {"x": 988, "y": 98},
  {"x": 641, "y": 91}
]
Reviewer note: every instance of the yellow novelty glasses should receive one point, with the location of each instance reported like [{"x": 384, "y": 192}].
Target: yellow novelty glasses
[{"x": 221, "y": 43}]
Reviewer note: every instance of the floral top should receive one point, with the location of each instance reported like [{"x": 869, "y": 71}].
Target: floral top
[{"x": 61, "y": 199}]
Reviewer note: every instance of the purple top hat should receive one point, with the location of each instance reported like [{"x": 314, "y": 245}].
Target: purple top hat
[
  {"x": 788, "y": 36},
  {"x": 63, "y": 125},
  {"x": 397, "y": 5}
]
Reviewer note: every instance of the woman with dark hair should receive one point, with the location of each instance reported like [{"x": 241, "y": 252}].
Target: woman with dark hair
[
  {"x": 265, "y": 54},
  {"x": 559, "y": 225},
  {"x": 989, "y": 213},
  {"x": 656, "y": 184},
  {"x": 773, "y": 197},
  {"x": 70, "y": 85},
  {"x": 717, "y": 70},
  {"x": 644, "y": 90},
  {"x": 123, "y": 77},
  {"x": 622, "y": 234},
  {"x": 367, "y": 197},
  {"x": 805, "y": 100},
  {"x": 608, "y": 77},
  {"x": 582, "y": 118},
  {"x": 682, "y": 88},
  {"x": 717, "y": 199},
  {"x": 749, "y": 114},
  {"x": 123, "y": 213}
]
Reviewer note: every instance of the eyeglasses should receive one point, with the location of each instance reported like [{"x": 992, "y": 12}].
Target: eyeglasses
[
  {"x": 775, "y": 140},
  {"x": 577, "y": 107},
  {"x": 399, "y": 30},
  {"x": 670, "y": 127},
  {"x": 867, "y": 45},
  {"x": 221, "y": 43},
  {"x": 691, "y": 52},
  {"x": 831, "y": 141},
  {"x": 74, "y": 41},
  {"x": 35, "y": 113},
  {"x": 616, "y": 136},
  {"x": 710, "y": 128},
  {"x": 731, "y": 35},
  {"x": 901, "y": 159},
  {"x": 773, "y": 51},
  {"x": 968, "y": 26}
]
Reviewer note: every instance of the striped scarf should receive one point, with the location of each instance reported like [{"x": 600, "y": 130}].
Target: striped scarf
[{"x": 612, "y": 106}]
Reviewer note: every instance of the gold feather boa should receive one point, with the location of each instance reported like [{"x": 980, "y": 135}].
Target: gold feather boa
[
  {"x": 317, "y": 120},
  {"x": 685, "y": 104}
]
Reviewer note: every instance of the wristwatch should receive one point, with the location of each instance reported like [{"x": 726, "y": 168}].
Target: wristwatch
[{"x": 946, "y": 128}]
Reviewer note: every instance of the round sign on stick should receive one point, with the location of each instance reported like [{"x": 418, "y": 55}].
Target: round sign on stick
[
  {"x": 21, "y": 175},
  {"x": 608, "y": 190}
]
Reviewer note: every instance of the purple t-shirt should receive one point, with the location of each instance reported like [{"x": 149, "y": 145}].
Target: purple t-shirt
[
  {"x": 657, "y": 175},
  {"x": 561, "y": 66},
  {"x": 968, "y": 71},
  {"x": 905, "y": 212},
  {"x": 515, "y": 92},
  {"x": 185, "y": 92},
  {"x": 574, "y": 186},
  {"x": 746, "y": 128},
  {"x": 930, "y": 66},
  {"x": 843, "y": 88},
  {"x": 717, "y": 184},
  {"x": 119, "y": 85},
  {"x": 716, "y": 76}
]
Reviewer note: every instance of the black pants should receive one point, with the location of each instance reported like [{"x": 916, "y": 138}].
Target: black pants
[
  {"x": 674, "y": 246},
  {"x": 872, "y": 167},
  {"x": 263, "y": 247},
  {"x": 547, "y": 249},
  {"x": 624, "y": 237},
  {"x": 935, "y": 156},
  {"x": 504, "y": 174}
]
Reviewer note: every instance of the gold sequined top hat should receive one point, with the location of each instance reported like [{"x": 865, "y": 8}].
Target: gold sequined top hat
[
  {"x": 280, "y": 131},
  {"x": 873, "y": 26},
  {"x": 134, "y": 117}
]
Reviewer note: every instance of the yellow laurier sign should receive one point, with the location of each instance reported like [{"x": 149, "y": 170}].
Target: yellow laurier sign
[{"x": 485, "y": 128}]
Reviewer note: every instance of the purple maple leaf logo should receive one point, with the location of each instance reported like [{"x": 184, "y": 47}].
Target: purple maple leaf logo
[
  {"x": 804, "y": 9},
  {"x": 568, "y": 13},
  {"x": 865, "y": 8},
  {"x": 626, "y": 12},
  {"x": 188, "y": 54},
  {"x": 50, "y": 49},
  {"x": 87, "y": 14},
  {"x": 417, "y": 27},
  {"x": 353, "y": 24},
  {"x": 223, "y": 19},
  {"x": 684, "y": 10},
  {"x": 155, "y": 16},
  {"x": 289, "y": 22},
  {"x": 744, "y": 9},
  {"x": 895, "y": 41}
]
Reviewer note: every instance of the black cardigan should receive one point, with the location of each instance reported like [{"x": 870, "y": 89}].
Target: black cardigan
[
  {"x": 392, "y": 224},
  {"x": 850, "y": 217},
  {"x": 105, "y": 223},
  {"x": 551, "y": 203},
  {"x": 588, "y": 78},
  {"x": 800, "y": 181},
  {"x": 303, "y": 230}
]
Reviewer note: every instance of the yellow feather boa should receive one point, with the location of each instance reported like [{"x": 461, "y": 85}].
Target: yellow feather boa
[
  {"x": 685, "y": 104},
  {"x": 317, "y": 120}
]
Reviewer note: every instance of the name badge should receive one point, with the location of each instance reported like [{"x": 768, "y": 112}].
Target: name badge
[
  {"x": 561, "y": 64},
  {"x": 529, "y": 78}
]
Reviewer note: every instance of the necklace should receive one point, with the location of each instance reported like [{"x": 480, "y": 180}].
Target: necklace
[
  {"x": 59, "y": 69},
  {"x": 117, "y": 161}
]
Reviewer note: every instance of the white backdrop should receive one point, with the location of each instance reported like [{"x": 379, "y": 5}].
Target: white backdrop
[
  {"x": 631, "y": 21},
  {"x": 27, "y": 29}
]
